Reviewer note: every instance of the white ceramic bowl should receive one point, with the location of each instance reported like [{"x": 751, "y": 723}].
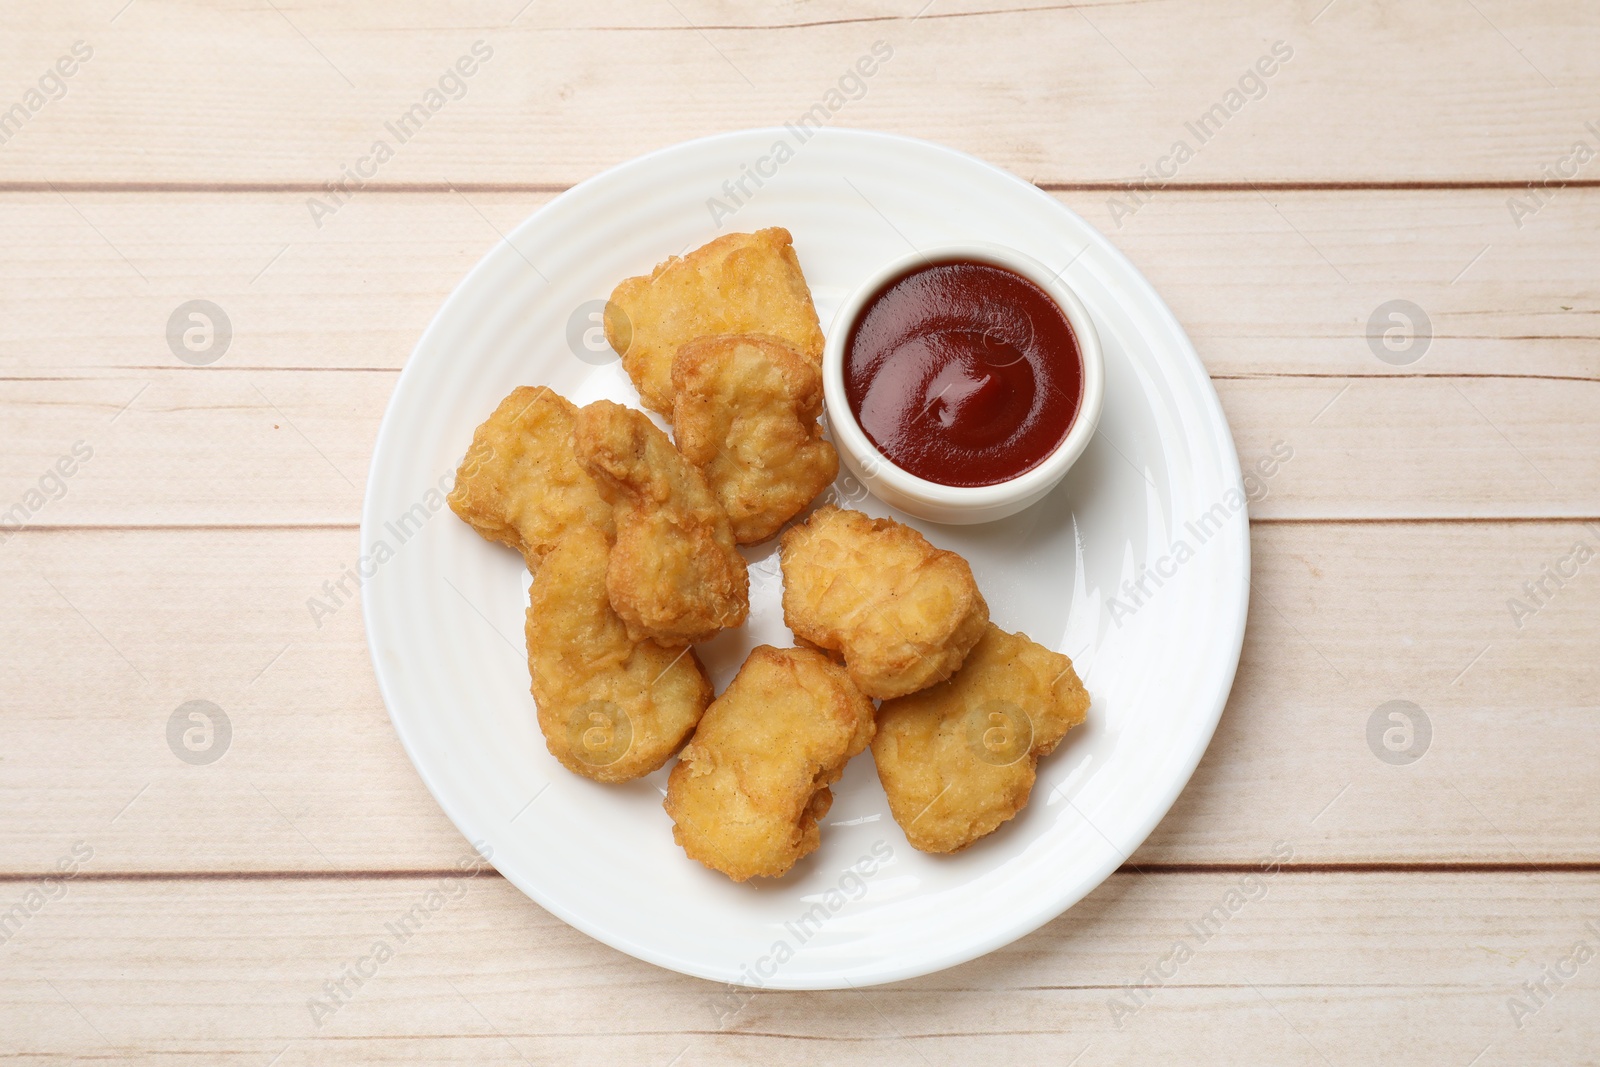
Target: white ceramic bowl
[{"x": 960, "y": 505}]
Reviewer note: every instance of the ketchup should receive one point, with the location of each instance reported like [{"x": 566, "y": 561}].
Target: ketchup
[{"x": 963, "y": 373}]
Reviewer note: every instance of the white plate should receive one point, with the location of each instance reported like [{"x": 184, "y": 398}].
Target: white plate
[{"x": 444, "y": 615}]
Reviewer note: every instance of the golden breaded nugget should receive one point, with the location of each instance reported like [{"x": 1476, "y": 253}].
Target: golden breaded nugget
[
  {"x": 959, "y": 759},
  {"x": 745, "y": 412},
  {"x": 739, "y": 283},
  {"x": 675, "y": 575},
  {"x": 520, "y": 483},
  {"x": 902, "y": 613},
  {"x": 611, "y": 708},
  {"x": 747, "y": 792}
]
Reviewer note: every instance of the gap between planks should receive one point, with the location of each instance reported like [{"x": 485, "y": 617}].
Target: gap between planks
[
  {"x": 1262, "y": 376},
  {"x": 1097, "y": 186},
  {"x": 247, "y": 527},
  {"x": 1577, "y": 867}
]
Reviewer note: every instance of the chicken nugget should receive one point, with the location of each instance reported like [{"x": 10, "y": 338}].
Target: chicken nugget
[
  {"x": 739, "y": 283},
  {"x": 745, "y": 412},
  {"x": 674, "y": 575},
  {"x": 959, "y": 759},
  {"x": 611, "y": 708},
  {"x": 902, "y": 613},
  {"x": 747, "y": 793},
  {"x": 520, "y": 483}
]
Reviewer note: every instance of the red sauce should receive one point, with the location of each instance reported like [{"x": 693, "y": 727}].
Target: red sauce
[{"x": 963, "y": 373}]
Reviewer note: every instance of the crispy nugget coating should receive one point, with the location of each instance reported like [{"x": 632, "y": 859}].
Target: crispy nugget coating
[
  {"x": 675, "y": 575},
  {"x": 520, "y": 483},
  {"x": 745, "y": 412},
  {"x": 901, "y": 612},
  {"x": 959, "y": 759},
  {"x": 611, "y": 708},
  {"x": 739, "y": 283},
  {"x": 747, "y": 792}
]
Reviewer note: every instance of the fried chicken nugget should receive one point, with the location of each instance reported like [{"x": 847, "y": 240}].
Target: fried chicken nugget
[
  {"x": 739, "y": 283},
  {"x": 747, "y": 793},
  {"x": 959, "y": 759},
  {"x": 675, "y": 575},
  {"x": 746, "y": 413},
  {"x": 520, "y": 483},
  {"x": 902, "y": 613},
  {"x": 611, "y": 708}
]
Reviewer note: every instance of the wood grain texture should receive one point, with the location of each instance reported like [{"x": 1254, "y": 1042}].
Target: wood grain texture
[
  {"x": 179, "y": 91},
  {"x": 1264, "y": 283},
  {"x": 1389, "y": 158},
  {"x": 1308, "y": 969},
  {"x": 110, "y": 631}
]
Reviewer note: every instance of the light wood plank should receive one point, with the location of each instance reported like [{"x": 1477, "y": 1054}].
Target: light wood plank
[
  {"x": 1285, "y": 284},
  {"x": 1316, "y": 969},
  {"x": 292, "y": 92},
  {"x": 237, "y": 446},
  {"x": 1421, "y": 447},
  {"x": 108, "y": 632},
  {"x": 1291, "y": 283},
  {"x": 288, "y": 447}
]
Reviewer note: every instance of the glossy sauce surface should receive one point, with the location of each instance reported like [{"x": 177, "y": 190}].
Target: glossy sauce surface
[{"x": 963, "y": 373}]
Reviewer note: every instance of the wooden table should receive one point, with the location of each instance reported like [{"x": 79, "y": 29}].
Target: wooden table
[{"x": 1418, "y": 547}]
